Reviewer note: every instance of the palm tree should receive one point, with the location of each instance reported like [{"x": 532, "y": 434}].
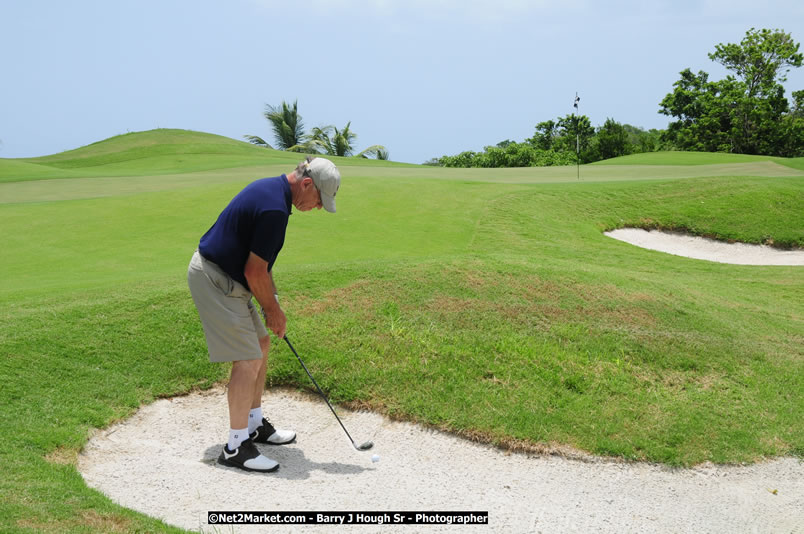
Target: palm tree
[
  {"x": 331, "y": 141},
  {"x": 343, "y": 140},
  {"x": 287, "y": 125},
  {"x": 289, "y": 135}
]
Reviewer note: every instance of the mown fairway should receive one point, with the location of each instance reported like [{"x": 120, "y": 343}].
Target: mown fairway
[{"x": 483, "y": 302}]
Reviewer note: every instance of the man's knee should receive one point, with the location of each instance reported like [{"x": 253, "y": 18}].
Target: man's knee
[{"x": 246, "y": 368}]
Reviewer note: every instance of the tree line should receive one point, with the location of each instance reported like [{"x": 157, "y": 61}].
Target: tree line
[
  {"x": 745, "y": 113},
  {"x": 561, "y": 142},
  {"x": 289, "y": 134}
]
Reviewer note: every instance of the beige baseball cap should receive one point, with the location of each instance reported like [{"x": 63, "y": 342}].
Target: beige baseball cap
[{"x": 326, "y": 178}]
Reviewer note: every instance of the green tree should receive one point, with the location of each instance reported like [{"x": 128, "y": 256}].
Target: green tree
[
  {"x": 761, "y": 60},
  {"x": 612, "y": 140},
  {"x": 574, "y": 134},
  {"x": 546, "y": 133},
  {"x": 706, "y": 112},
  {"x": 338, "y": 142},
  {"x": 331, "y": 141},
  {"x": 792, "y": 128},
  {"x": 640, "y": 140},
  {"x": 512, "y": 154},
  {"x": 286, "y": 124},
  {"x": 744, "y": 114},
  {"x": 797, "y": 109},
  {"x": 464, "y": 159}
]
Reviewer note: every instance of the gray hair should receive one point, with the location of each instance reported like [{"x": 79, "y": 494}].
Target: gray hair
[{"x": 303, "y": 168}]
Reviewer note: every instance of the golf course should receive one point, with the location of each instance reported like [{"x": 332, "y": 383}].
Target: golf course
[{"x": 486, "y": 303}]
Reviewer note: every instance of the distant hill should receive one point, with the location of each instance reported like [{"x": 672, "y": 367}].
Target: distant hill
[{"x": 154, "y": 152}]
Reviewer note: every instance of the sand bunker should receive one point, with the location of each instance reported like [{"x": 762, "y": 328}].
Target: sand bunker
[
  {"x": 136, "y": 463},
  {"x": 708, "y": 249}
]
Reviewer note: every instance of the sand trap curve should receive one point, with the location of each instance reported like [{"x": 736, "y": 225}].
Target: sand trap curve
[
  {"x": 136, "y": 464},
  {"x": 707, "y": 249}
]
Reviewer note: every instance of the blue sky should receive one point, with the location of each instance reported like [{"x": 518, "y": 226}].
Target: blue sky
[{"x": 422, "y": 77}]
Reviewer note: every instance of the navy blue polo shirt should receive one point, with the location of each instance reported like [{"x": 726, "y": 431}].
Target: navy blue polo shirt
[{"x": 254, "y": 221}]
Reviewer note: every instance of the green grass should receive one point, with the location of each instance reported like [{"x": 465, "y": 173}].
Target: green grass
[
  {"x": 698, "y": 158},
  {"x": 486, "y": 303},
  {"x": 156, "y": 152}
]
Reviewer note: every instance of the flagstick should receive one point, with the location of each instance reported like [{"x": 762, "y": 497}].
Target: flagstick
[{"x": 578, "y": 136}]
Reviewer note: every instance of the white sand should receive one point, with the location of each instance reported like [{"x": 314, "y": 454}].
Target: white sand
[
  {"x": 136, "y": 464},
  {"x": 708, "y": 249}
]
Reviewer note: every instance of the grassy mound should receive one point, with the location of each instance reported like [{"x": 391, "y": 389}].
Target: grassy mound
[
  {"x": 698, "y": 158},
  {"x": 155, "y": 152}
]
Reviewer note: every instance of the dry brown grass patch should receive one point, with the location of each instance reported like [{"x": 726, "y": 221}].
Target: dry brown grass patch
[
  {"x": 63, "y": 456},
  {"x": 353, "y": 297},
  {"x": 105, "y": 523},
  {"x": 89, "y": 519},
  {"x": 531, "y": 300}
]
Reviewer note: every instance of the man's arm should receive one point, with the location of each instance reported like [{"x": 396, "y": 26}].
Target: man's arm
[{"x": 262, "y": 287}]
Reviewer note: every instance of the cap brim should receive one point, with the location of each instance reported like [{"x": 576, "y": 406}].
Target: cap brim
[{"x": 328, "y": 202}]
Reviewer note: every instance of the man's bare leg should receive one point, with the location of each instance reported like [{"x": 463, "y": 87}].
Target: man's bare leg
[
  {"x": 259, "y": 385},
  {"x": 241, "y": 391},
  {"x": 240, "y": 451},
  {"x": 267, "y": 433}
]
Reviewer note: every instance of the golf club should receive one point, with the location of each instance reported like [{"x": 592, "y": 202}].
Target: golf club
[{"x": 365, "y": 446}]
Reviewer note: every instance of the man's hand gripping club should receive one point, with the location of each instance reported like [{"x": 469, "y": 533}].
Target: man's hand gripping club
[{"x": 262, "y": 287}]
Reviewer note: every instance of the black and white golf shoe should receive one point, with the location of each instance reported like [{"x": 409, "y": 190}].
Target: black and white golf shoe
[
  {"x": 247, "y": 458},
  {"x": 266, "y": 433}
]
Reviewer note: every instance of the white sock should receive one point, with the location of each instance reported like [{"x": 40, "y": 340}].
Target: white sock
[
  {"x": 236, "y": 437},
  {"x": 254, "y": 419}
]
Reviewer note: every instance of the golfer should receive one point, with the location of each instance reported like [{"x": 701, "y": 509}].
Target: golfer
[{"x": 233, "y": 263}]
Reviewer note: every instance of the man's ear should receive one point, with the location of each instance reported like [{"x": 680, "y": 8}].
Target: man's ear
[{"x": 307, "y": 181}]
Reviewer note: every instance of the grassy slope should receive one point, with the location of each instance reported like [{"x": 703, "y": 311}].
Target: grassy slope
[
  {"x": 155, "y": 152},
  {"x": 494, "y": 310},
  {"x": 697, "y": 158}
]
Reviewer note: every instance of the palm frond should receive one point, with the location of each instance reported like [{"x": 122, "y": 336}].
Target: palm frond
[
  {"x": 375, "y": 151},
  {"x": 253, "y": 139},
  {"x": 344, "y": 140},
  {"x": 286, "y": 123},
  {"x": 320, "y": 136},
  {"x": 310, "y": 146}
]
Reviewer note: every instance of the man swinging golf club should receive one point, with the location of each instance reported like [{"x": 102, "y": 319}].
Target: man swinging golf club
[{"x": 234, "y": 262}]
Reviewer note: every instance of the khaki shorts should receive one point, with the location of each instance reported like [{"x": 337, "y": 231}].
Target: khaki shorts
[{"x": 232, "y": 326}]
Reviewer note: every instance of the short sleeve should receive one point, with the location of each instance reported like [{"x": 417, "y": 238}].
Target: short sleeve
[{"x": 269, "y": 235}]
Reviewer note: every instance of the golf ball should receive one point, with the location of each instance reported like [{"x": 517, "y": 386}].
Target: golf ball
[{"x": 375, "y": 458}]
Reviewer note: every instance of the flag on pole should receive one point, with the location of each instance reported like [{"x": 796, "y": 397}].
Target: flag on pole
[{"x": 577, "y": 136}]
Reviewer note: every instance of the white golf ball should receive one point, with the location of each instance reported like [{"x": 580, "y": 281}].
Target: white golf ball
[{"x": 375, "y": 458}]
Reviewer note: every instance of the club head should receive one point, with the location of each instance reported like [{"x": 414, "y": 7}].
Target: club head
[{"x": 366, "y": 446}]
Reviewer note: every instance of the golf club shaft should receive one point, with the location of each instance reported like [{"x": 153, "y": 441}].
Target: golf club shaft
[{"x": 319, "y": 391}]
